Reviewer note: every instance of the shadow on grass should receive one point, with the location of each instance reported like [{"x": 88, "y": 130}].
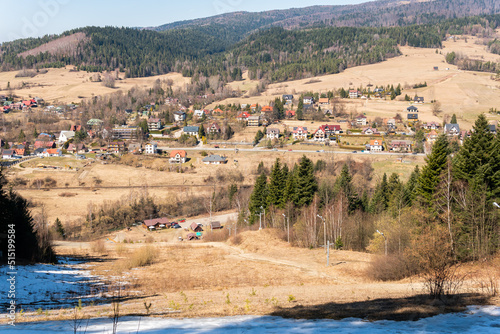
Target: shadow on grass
[{"x": 397, "y": 309}]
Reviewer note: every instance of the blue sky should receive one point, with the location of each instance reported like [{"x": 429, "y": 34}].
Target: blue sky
[{"x": 33, "y": 18}]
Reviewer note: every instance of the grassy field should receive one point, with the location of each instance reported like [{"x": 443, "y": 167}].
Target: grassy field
[{"x": 464, "y": 93}]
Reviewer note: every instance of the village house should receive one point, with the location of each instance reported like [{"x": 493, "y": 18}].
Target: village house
[
  {"x": 65, "y": 136},
  {"x": 300, "y": 133},
  {"x": 432, "y": 136},
  {"x": 370, "y": 131},
  {"x": 452, "y": 129},
  {"x": 44, "y": 144},
  {"x": 199, "y": 113},
  {"x": 254, "y": 121},
  {"x": 214, "y": 128},
  {"x": 94, "y": 123},
  {"x": 361, "y": 120},
  {"x": 135, "y": 148},
  {"x": 214, "y": 160},
  {"x": 325, "y": 131},
  {"x": 324, "y": 101},
  {"x": 75, "y": 128},
  {"x": 431, "y": 126},
  {"x": 401, "y": 145},
  {"x": 154, "y": 124},
  {"x": 191, "y": 130},
  {"x": 376, "y": 145},
  {"x": 290, "y": 113},
  {"x": 151, "y": 148},
  {"x": 492, "y": 129},
  {"x": 308, "y": 100},
  {"x": 157, "y": 223},
  {"x": 7, "y": 154},
  {"x": 354, "y": 94},
  {"x": 412, "y": 117},
  {"x": 178, "y": 157},
  {"x": 418, "y": 99},
  {"x": 76, "y": 148},
  {"x": 254, "y": 107},
  {"x": 266, "y": 109},
  {"x": 179, "y": 116},
  {"x": 272, "y": 133},
  {"x": 39, "y": 152},
  {"x": 412, "y": 109},
  {"x": 287, "y": 98},
  {"x": 53, "y": 152},
  {"x": 116, "y": 147},
  {"x": 243, "y": 117}
]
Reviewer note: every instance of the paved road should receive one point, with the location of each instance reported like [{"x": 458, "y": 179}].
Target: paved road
[{"x": 283, "y": 151}]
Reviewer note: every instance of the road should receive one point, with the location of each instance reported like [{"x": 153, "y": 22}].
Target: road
[{"x": 283, "y": 151}]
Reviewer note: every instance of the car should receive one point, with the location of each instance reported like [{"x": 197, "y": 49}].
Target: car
[
  {"x": 216, "y": 146},
  {"x": 415, "y": 153},
  {"x": 290, "y": 150},
  {"x": 354, "y": 151},
  {"x": 200, "y": 224},
  {"x": 275, "y": 149},
  {"x": 177, "y": 226},
  {"x": 182, "y": 220}
]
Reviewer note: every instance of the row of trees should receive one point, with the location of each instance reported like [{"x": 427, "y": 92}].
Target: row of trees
[{"x": 450, "y": 193}]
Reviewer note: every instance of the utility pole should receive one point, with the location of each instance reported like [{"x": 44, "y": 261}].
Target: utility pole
[
  {"x": 385, "y": 239},
  {"x": 288, "y": 227},
  {"x": 324, "y": 231}
]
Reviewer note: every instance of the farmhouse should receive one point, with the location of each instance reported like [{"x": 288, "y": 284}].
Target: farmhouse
[
  {"x": 214, "y": 128},
  {"x": 196, "y": 228},
  {"x": 177, "y": 157},
  {"x": 325, "y": 131},
  {"x": 215, "y": 225},
  {"x": 7, "y": 154}
]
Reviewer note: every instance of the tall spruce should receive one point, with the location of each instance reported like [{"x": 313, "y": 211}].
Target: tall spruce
[
  {"x": 259, "y": 197},
  {"x": 277, "y": 184},
  {"x": 430, "y": 175},
  {"x": 306, "y": 184},
  {"x": 290, "y": 188},
  {"x": 478, "y": 160},
  {"x": 344, "y": 184},
  {"x": 15, "y": 215}
]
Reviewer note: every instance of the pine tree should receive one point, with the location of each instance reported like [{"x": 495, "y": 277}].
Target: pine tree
[
  {"x": 259, "y": 197},
  {"x": 453, "y": 119},
  {"x": 411, "y": 185},
  {"x": 429, "y": 177},
  {"x": 60, "y": 228},
  {"x": 278, "y": 110},
  {"x": 22, "y": 136},
  {"x": 201, "y": 131},
  {"x": 290, "y": 187},
  {"x": 306, "y": 182},
  {"x": 15, "y": 215},
  {"x": 276, "y": 186}
]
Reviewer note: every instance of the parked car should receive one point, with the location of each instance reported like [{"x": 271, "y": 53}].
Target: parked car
[
  {"x": 182, "y": 220},
  {"x": 216, "y": 146},
  {"x": 354, "y": 151},
  {"x": 177, "y": 226}
]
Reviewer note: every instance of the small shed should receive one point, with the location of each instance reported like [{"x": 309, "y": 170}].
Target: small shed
[
  {"x": 215, "y": 225},
  {"x": 196, "y": 228},
  {"x": 191, "y": 236}
]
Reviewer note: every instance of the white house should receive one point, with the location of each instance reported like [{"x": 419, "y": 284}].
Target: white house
[
  {"x": 361, "y": 120},
  {"x": 214, "y": 160},
  {"x": 272, "y": 133},
  {"x": 65, "y": 136},
  {"x": 178, "y": 157},
  {"x": 353, "y": 94},
  {"x": 179, "y": 116},
  {"x": 308, "y": 100},
  {"x": 191, "y": 130},
  {"x": 376, "y": 145},
  {"x": 452, "y": 129},
  {"x": 151, "y": 148}
]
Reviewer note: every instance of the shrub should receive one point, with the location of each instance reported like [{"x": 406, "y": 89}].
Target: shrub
[
  {"x": 141, "y": 257},
  {"x": 98, "y": 247},
  {"x": 390, "y": 268}
]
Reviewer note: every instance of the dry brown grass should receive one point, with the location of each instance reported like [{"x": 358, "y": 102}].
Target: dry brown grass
[
  {"x": 99, "y": 247},
  {"x": 141, "y": 257}
]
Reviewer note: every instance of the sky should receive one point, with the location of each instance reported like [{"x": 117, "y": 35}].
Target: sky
[{"x": 35, "y": 18}]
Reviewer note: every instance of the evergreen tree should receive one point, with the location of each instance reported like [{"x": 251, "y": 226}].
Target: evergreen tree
[
  {"x": 478, "y": 159},
  {"x": 344, "y": 184},
  {"x": 278, "y": 109},
  {"x": 59, "y": 228},
  {"x": 276, "y": 186},
  {"x": 300, "y": 109},
  {"x": 429, "y": 177},
  {"x": 411, "y": 185},
  {"x": 258, "y": 197},
  {"x": 15, "y": 215},
  {"x": 306, "y": 182},
  {"x": 21, "y": 136},
  {"x": 35, "y": 133},
  {"x": 290, "y": 186},
  {"x": 380, "y": 200},
  {"x": 201, "y": 131},
  {"x": 453, "y": 119}
]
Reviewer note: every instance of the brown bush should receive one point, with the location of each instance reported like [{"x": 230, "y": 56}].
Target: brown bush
[
  {"x": 391, "y": 268},
  {"x": 141, "y": 257},
  {"x": 67, "y": 194},
  {"x": 216, "y": 236},
  {"x": 98, "y": 247}
]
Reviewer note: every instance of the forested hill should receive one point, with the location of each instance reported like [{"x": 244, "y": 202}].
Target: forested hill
[
  {"x": 275, "y": 54},
  {"x": 382, "y": 13}
]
